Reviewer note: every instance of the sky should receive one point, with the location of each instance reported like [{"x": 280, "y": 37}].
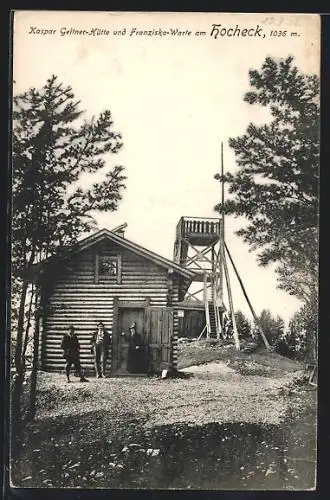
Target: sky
[{"x": 174, "y": 100}]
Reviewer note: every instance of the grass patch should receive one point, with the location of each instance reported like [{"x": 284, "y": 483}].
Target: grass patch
[{"x": 261, "y": 362}]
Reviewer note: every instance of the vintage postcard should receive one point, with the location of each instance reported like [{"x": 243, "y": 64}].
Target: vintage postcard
[{"x": 164, "y": 291}]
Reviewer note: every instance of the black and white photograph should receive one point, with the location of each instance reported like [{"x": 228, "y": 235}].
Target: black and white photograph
[{"x": 164, "y": 250}]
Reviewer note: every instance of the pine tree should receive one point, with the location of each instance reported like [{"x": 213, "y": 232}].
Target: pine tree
[
  {"x": 243, "y": 325},
  {"x": 52, "y": 148},
  {"x": 272, "y": 327},
  {"x": 276, "y": 185}
]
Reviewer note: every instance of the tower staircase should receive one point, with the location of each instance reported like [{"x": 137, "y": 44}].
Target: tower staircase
[{"x": 212, "y": 308}]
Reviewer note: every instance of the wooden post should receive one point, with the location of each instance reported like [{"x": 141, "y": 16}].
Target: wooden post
[
  {"x": 220, "y": 274},
  {"x": 202, "y": 333},
  {"x": 217, "y": 318},
  {"x": 207, "y": 312},
  {"x": 256, "y": 319},
  {"x": 219, "y": 279},
  {"x": 231, "y": 306}
]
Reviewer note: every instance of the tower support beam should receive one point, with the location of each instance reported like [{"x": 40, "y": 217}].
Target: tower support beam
[
  {"x": 230, "y": 300},
  {"x": 256, "y": 319}
]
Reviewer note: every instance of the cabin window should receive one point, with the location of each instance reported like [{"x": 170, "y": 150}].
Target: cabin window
[{"x": 107, "y": 268}]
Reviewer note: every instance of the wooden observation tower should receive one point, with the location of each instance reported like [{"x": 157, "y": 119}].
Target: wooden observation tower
[{"x": 200, "y": 246}]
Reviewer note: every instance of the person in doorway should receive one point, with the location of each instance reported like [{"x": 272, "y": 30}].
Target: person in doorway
[
  {"x": 100, "y": 348},
  {"x": 135, "y": 359},
  {"x": 71, "y": 353}
]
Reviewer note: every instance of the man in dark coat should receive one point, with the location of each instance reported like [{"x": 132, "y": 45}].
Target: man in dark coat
[
  {"x": 100, "y": 348},
  {"x": 71, "y": 348},
  {"x": 135, "y": 362}
]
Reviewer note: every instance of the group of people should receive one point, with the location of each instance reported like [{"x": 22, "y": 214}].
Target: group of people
[{"x": 100, "y": 345}]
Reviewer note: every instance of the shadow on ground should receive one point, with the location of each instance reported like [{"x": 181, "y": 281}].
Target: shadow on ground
[{"x": 58, "y": 453}]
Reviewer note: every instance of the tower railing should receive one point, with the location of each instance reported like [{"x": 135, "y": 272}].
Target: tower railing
[{"x": 197, "y": 225}]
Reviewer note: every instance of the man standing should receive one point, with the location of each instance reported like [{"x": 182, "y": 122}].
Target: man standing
[
  {"x": 71, "y": 348},
  {"x": 100, "y": 348}
]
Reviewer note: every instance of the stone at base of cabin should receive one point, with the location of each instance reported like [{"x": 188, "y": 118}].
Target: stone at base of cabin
[{"x": 174, "y": 373}]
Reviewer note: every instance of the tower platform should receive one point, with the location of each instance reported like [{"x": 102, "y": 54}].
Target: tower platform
[{"x": 200, "y": 231}]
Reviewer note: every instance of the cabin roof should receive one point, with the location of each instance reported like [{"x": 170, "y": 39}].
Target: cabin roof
[
  {"x": 135, "y": 248},
  {"x": 106, "y": 234}
]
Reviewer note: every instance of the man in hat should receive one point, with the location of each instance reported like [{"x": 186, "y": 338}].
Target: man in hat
[
  {"x": 71, "y": 348},
  {"x": 100, "y": 349}
]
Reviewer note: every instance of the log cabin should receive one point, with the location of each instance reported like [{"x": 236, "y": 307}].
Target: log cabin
[{"x": 109, "y": 278}]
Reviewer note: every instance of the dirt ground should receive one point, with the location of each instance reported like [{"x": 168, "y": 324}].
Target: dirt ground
[
  {"x": 254, "y": 392},
  {"x": 215, "y": 393}
]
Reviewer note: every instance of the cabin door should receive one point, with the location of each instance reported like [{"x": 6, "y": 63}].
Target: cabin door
[
  {"x": 159, "y": 335},
  {"x": 123, "y": 350}
]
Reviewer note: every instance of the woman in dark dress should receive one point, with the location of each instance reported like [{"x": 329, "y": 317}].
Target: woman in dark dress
[{"x": 135, "y": 361}]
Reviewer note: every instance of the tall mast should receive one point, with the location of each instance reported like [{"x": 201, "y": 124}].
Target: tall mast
[
  {"x": 223, "y": 256},
  {"x": 222, "y": 235},
  {"x": 222, "y": 196}
]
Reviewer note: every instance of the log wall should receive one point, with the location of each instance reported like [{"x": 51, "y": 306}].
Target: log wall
[{"x": 72, "y": 297}]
